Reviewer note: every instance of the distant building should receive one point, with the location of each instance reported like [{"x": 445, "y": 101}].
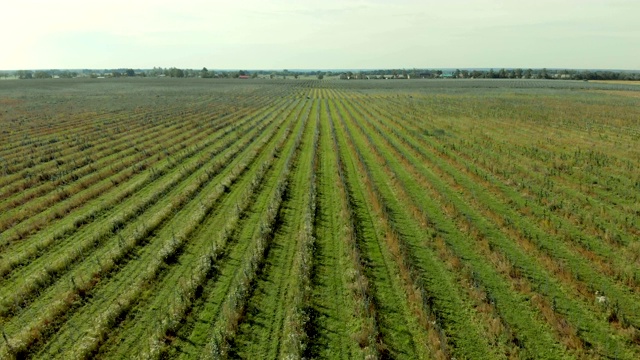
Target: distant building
[{"x": 243, "y": 77}]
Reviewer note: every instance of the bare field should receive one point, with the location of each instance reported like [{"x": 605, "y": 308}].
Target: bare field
[{"x": 617, "y": 82}]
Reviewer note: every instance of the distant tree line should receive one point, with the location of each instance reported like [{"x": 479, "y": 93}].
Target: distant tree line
[
  {"x": 206, "y": 73},
  {"x": 163, "y": 72},
  {"x": 174, "y": 72},
  {"x": 548, "y": 74},
  {"x": 40, "y": 74},
  {"x": 493, "y": 74}
]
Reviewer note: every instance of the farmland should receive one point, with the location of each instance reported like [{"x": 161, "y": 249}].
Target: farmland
[{"x": 421, "y": 219}]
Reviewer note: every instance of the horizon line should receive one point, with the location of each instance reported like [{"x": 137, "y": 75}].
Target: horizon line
[{"x": 332, "y": 69}]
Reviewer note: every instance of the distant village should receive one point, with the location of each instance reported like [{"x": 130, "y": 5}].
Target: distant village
[{"x": 383, "y": 74}]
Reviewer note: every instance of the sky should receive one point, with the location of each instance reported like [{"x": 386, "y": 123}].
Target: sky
[{"x": 327, "y": 34}]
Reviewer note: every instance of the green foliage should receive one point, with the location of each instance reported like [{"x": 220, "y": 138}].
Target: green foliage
[
  {"x": 310, "y": 219},
  {"x": 24, "y": 74}
]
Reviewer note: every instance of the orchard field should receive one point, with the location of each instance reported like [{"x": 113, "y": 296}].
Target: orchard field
[{"x": 264, "y": 219}]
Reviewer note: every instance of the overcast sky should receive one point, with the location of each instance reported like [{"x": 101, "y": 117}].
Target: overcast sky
[{"x": 328, "y": 34}]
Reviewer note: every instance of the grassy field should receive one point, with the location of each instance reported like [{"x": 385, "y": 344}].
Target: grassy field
[{"x": 421, "y": 219}]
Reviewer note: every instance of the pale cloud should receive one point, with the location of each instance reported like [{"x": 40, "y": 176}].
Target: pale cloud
[{"x": 320, "y": 34}]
